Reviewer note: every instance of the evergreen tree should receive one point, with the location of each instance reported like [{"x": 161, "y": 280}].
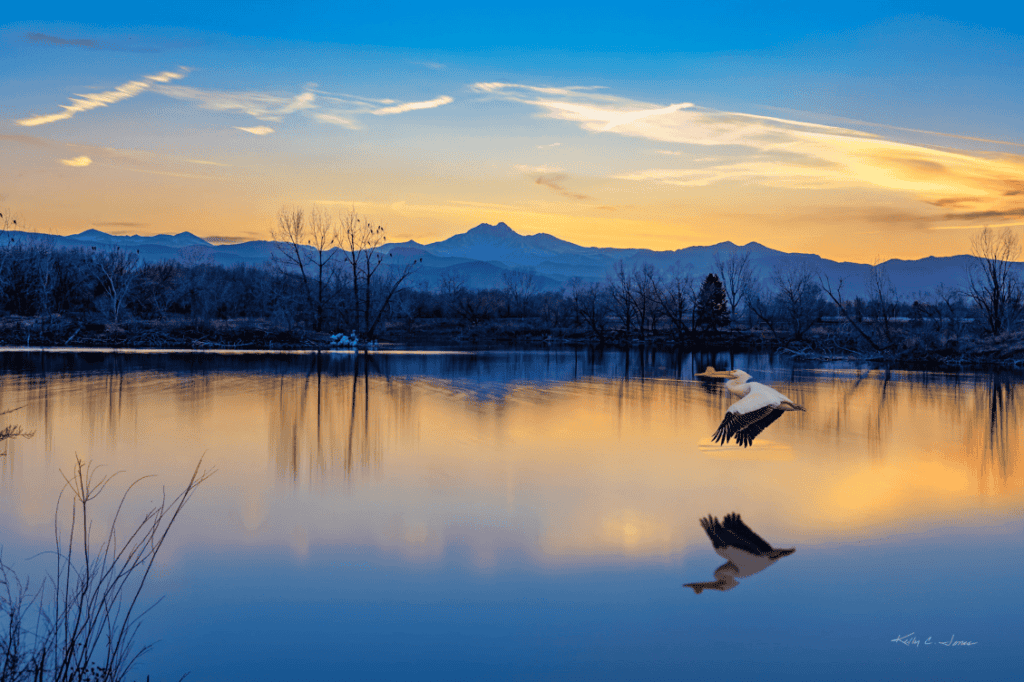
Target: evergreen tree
[{"x": 711, "y": 309}]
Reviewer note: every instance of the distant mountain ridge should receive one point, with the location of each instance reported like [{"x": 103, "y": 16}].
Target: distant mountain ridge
[{"x": 482, "y": 254}]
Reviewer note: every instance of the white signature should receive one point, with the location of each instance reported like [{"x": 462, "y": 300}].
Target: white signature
[{"x": 911, "y": 640}]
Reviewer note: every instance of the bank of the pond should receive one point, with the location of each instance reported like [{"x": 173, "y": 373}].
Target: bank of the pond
[{"x": 912, "y": 348}]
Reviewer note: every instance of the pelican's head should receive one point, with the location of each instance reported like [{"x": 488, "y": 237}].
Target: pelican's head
[
  {"x": 712, "y": 373},
  {"x": 722, "y": 585}
]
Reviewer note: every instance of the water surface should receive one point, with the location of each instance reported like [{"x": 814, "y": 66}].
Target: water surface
[{"x": 533, "y": 515}]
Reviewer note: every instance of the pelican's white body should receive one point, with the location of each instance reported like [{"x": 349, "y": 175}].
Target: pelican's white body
[{"x": 754, "y": 396}]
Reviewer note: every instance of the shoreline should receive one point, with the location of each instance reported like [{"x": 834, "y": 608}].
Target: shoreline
[{"x": 70, "y": 334}]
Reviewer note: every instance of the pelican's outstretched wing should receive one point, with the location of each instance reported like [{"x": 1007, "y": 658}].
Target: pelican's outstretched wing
[
  {"x": 732, "y": 523},
  {"x": 714, "y": 530},
  {"x": 745, "y": 426},
  {"x": 733, "y": 533}
]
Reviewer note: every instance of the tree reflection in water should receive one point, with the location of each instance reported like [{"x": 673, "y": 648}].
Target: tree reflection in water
[{"x": 336, "y": 414}]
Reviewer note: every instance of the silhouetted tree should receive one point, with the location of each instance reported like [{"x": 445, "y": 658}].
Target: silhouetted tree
[
  {"x": 711, "y": 309},
  {"x": 675, "y": 300},
  {"x": 519, "y": 284},
  {"x": 736, "y": 275},
  {"x": 645, "y": 298},
  {"x": 884, "y": 304},
  {"x": 116, "y": 272},
  {"x": 590, "y": 305},
  {"x": 992, "y": 280},
  {"x": 798, "y": 299},
  {"x": 622, "y": 294},
  {"x": 451, "y": 289},
  {"x": 853, "y": 311},
  {"x": 308, "y": 246}
]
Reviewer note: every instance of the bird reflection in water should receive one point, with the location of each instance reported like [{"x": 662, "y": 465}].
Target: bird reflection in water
[
  {"x": 745, "y": 552},
  {"x": 757, "y": 408}
]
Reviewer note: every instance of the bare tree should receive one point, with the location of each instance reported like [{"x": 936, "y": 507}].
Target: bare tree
[
  {"x": 847, "y": 309},
  {"x": 675, "y": 300},
  {"x": 308, "y": 247},
  {"x": 451, "y": 289},
  {"x": 519, "y": 285},
  {"x": 7, "y": 222},
  {"x": 395, "y": 275},
  {"x": 45, "y": 274},
  {"x": 736, "y": 274},
  {"x": 621, "y": 290},
  {"x": 992, "y": 280},
  {"x": 361, "y": 240},
  {"x": 884, "y": 303},
  {"x": 645, "y": 297},
  {"x": 375, "y": 276},
  {"x": 764, "y": 303},
  {"x": 590, "y": 305},
  {"x": 799, "y": 299},
  {"x": 116, "y": 271},
  {"x": 953, "y": 308}
]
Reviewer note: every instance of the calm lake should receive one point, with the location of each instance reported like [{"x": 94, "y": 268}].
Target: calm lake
[{"x": 534, "y": 515}]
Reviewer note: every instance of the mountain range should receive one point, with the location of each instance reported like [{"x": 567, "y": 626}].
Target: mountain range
[{"x": 482, "y": 254}]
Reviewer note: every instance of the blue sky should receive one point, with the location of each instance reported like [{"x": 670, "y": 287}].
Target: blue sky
[{"x": 662, "y": 126}]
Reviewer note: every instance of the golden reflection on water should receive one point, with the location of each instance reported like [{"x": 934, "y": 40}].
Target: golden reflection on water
[{"x": 568, "y": 471}]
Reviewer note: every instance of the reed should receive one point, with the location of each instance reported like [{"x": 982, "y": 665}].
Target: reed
[{"x": 79, "y": 623}]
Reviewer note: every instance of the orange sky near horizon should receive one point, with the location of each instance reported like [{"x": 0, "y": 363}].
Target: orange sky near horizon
[{"x": 216, "y": 135}]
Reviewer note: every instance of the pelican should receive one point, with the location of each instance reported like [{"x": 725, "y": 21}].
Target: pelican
[
  {"x": 745, "y": 552},
  {"x": 757, "y": 407}
]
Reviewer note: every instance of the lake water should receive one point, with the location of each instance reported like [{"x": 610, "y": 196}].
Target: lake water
[{"x": 534, "y": 515}]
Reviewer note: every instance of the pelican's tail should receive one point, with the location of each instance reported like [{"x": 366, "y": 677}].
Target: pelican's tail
[
  {"x": 779, "y": 553},
  {"x": 790, "y": 406}
]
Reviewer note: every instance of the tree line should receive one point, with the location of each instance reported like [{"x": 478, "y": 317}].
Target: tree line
[
  {"x": 327, "y": 272},
  {"x": 331, "y": 272}
]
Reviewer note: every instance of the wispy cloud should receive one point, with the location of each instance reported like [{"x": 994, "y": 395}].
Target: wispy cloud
[
  {"x": 885, "y": 126},
  {"x": 335, "y": 119},
  {"x": 553, "y": 181},
  {"x": 87, "y": 43},
  {"x": 204, "y": 162},
  {"x": 55, "y": 40},
  {"x": 972, "y": 227},
  {"x": 30, "y": 140},
  {"x": 256, "y": 130},
  {"x": 413, "y": 106},
  {"x": 349, "y": 100},
  {"x": 522, "y": 168},
  {"x": 782, "y": 152},
  {"x": 77, "y": 162},
  {"x": 121, "y": 225},
  {"x": 341, "y": 110},
  {"x": 260, "y": 105},
  {"x": 94, "y": 100},
  {"x": 504, "y": 89},
  {"x": 553, "y": 178},
  {"x": 549, "y": 146}
]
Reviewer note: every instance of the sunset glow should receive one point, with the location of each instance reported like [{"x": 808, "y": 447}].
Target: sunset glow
[{"x": 858, "y": 136}]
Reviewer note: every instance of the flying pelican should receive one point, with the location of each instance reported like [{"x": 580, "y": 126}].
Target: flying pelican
[
  {"x": 758, "y": 407},
  {"x": 745, "y": 552}
]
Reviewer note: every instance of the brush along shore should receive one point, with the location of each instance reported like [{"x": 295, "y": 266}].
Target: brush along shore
[{"x": 912, "y": 345}]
